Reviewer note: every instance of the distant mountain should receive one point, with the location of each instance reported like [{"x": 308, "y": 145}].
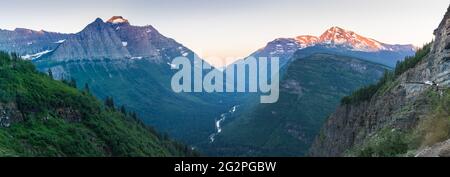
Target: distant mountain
[
  {"x": 405, "y": 114},
  {"x": 43, "y": 117},
  {"x": 337, "y": 39},
  {"x": 310, "y": 90},
  {"x": 116, "y": 39}
]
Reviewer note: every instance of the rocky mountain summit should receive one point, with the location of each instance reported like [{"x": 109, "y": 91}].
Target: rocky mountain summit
[
  {"x": 115, "y": 39},
  {"x": 335, "y": 38},
  {"x": 407, "y": 113}
]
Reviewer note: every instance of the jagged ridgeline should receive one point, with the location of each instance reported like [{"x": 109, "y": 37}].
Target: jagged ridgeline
[{"x": 40, "y": 116}]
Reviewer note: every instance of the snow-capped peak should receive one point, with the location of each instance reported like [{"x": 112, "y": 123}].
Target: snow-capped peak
[
  {"x": 117, "y": 20},
  {"x": 340, "y": 36},
  {"x": 337, "y": 35}
]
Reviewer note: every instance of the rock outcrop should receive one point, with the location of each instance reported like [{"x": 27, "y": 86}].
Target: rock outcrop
[{"x": 9, "y": 114}]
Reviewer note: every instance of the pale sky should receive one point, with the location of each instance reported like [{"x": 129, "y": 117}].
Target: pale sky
[{"x": 235, "y": 28}]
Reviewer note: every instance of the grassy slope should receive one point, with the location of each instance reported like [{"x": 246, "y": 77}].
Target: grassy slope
[{"x": 58, "y": 120}]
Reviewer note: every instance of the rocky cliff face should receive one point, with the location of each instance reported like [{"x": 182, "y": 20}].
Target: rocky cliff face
[
  {"x": 117, "y": 39},
  {"x": 401, "y": 106},
  {"x": 146, "y": 41},
  {"x": 97, "y": 41}
]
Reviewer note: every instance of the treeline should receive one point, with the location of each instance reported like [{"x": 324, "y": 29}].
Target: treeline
[
  {"x": 411, "y": 62},
  {"x": 367, "y": 92}
]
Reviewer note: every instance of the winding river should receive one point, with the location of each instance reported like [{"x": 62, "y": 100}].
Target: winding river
[{"x": 219, "y": 122}]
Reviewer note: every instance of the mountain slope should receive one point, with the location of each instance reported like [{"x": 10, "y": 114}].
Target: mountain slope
[
  {"x": 309, "y": 91},
  {"x": 28, "y": 43},
  {"x": 337, "y": 39},
  {"x": 43, "y": 117},
  {"x": 406, "y": 111},
  {"x": 133, "y": 64}
]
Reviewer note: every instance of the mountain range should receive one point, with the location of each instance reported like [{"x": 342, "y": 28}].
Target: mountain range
[
  {"x": 337, "y": 40},
  {"x": 316, "y": 73},
  {"x": 133, "y": 65}
]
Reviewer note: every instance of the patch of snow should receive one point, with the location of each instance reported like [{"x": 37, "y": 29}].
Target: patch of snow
[
  {"x": 29, "y": 43},
  {"x": 124, "y": 43},
  {"x": 172, "y": 66},
  {"x": 36, "y": 55},
  {"x": 60, "y": 41},
  {"x": 136, "y": 58}
]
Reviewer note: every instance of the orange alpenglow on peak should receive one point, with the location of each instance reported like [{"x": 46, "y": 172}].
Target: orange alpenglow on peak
[
  {"x": 117, "y": 19},
  {"x": 306, "y": 40},
  {"x": 337, "y": 35}
]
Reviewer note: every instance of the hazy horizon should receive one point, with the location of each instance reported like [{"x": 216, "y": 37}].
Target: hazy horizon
[{"x": 219, "y": 29}]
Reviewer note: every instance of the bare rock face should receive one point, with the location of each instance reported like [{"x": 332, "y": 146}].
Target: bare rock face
[
  {"x": 97, "y": 41},
  {"x": 146, "y": 41},
  {"x": 117, "y": 39},
  {"x": 400, "y": 107},
  {"x": 9, "y": 114},
  {"x": 441, "y": 52}
]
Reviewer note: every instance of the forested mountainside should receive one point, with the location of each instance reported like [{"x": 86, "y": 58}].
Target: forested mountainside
[
  {"x": 40, "y": 116},
  {"x": 309, "y": 91},
  {"x": 406, "y": 114}
]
